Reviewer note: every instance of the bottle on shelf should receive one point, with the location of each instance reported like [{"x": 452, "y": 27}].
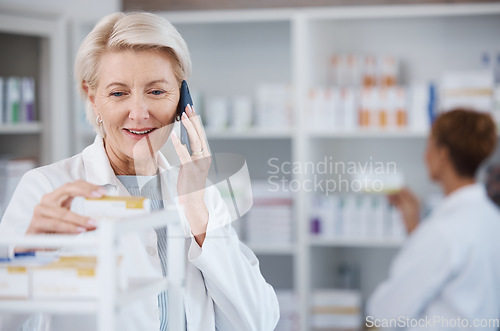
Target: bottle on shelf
[{"x": 17, "y": 100}]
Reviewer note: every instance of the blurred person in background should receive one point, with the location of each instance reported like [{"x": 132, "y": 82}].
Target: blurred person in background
[
  {"x": 493, "y": 183},
  {"x": 447, "y": 274}
]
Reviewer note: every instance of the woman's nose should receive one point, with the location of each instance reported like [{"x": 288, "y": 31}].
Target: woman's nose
[{"x": 138, "y": 108}]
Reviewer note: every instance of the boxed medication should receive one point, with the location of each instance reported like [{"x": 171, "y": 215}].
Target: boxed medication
[
  {"x": 111, "y": 206},
  {"x": 67, "y": 277},
  {"x": 14, "y": 282},
  {"x": 15, "y": 273}
]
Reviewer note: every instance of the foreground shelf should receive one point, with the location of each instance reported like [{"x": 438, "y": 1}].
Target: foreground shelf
[{"x": 49, "y": 306}]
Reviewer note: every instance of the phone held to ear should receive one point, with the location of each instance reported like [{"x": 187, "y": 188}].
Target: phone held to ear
[{"x": 184, "y": 100}]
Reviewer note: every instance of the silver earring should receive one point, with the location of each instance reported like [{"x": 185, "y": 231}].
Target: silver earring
[{"x": 98, "y": 119}]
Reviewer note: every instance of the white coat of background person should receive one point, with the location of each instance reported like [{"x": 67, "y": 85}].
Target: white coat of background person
[
  {"x": 129, "y": 69},
  {"x": 447, "y": 274}
]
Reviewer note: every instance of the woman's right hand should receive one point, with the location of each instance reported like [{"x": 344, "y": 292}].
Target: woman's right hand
[{"x": 53, "y": 214}]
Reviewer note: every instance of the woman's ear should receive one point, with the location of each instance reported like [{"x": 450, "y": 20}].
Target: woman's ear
[{"x": 90, "y": 94}]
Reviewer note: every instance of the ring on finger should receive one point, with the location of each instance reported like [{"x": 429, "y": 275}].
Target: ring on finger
[{"x": 197, "y": 153}]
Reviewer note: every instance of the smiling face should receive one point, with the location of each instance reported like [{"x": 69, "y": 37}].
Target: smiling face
[{"x": 136, "y": 95}]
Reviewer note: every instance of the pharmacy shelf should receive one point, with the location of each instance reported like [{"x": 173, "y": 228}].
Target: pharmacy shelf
[
  {"x": 109, "y": 299},
  {"x": 367, "y": 133},
  {"x": 21, "y": 128},
  {"x": 252, "y": 134},
  {"x": 50, "y": 241},
  {"x": 49, "y": 306},
  {"x": 138, "y": 289},
  {"x": 270, "y": 249},
  {"x": 310, "y": 32},
  {"x": 355, "y": 242},
  {"x": 49, "y": 66}
]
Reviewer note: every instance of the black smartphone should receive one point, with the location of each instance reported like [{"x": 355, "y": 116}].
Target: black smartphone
[{"x": 184, "y": 100}]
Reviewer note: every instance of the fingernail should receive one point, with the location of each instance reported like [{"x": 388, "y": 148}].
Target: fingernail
[
  {"x": 92, "y": 223},
  {"x": 80, "y": 229},
  {"x": 192, "y": 108},
  {"x": 184, "y": 115}
]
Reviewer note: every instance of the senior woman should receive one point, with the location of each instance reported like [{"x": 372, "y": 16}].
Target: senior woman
[{"x": 130, "y": 69}]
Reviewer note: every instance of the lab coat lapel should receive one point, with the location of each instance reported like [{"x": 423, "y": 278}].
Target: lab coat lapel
[{"x": 98, "y": 170}]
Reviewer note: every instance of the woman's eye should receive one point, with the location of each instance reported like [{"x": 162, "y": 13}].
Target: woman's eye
[
  {"x": 117, "y": 94},
  {"x": 157, "y": 92}
]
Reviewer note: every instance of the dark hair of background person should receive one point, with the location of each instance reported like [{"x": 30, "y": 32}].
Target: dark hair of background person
[{"x": 469, "y": 136}]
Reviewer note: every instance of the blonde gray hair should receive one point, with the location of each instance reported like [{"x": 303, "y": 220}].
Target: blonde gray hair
[{"x": 128, "y": 31}]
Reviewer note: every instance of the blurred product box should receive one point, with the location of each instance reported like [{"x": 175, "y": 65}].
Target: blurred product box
[
  {"x": 355, "y": 216},
  {"x": 66, "y": 278},
  {"x": 111, "y": 206},
  {"x": 368, "y": 71},
  {"x": 27, "y": 109},
  {"x": 241, "y": 113},
  {"x": 11, "y": 172},
  {"x": 216, "y": 113},
  {"x": 13, "y": 100},
  {"x": 17, "y": 100},
  {"x": 289, "y": 311},
  {"x": 270, "y": 218},
  {"x": 336, "y": 309},
  {"x": 273, "y": 106},
  {"x": 469, "y": 89},
  {"x": 46, "y": 275},
  {"x": 14, "y": 282},
  {"x": 15, "y": 273}
]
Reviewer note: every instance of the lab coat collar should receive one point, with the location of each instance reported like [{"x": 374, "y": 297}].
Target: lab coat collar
[
  {"x": 98, "y": 170},
  {"x": 462, "y": 196}
]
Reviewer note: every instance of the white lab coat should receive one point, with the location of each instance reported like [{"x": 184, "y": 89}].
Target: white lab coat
[
  {"x": 224, "y": 286},
  {"x": 448, "y": 269}
]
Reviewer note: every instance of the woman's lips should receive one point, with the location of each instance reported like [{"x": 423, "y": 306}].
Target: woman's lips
[{"x": 138, "y": 133}]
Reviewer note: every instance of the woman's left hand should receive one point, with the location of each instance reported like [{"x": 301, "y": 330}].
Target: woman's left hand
[
  {"x": 193, "y": 174},
  {"x": 409, "y": 206}
]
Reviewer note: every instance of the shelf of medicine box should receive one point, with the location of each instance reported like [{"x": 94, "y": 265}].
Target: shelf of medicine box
[
  {"x": 270, "y": 249},
  {"x": 21, "y": 128},
  {"x": 368, "y": 133},
  {"x": 110, "y": 229},
  {"x": 356, "y": 242},
  {"x": 251, "y": 133},
  {"x": 83, "y": 306},
  {"x": 124, "y": 225}
]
